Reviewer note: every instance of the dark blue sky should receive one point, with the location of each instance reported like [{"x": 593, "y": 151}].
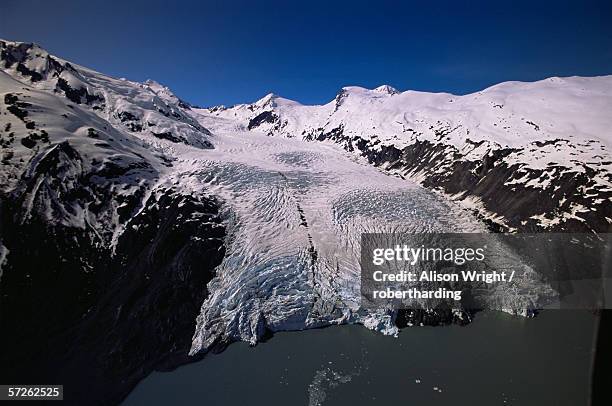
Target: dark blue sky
[{"x": 237, "y": 51}]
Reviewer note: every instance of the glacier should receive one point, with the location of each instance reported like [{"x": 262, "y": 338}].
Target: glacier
[{"x": 153, "y": 231}]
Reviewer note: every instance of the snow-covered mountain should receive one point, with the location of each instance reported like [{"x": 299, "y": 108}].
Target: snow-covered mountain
[
  {"x": 116, "y": 133},
  {"x": 136, "y": 226},
  {"x": 98, "y": 253},
  {"x": 526, "y": 156}
]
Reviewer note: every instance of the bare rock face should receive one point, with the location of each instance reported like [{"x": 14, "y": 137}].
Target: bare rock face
[
  {"x": 81, "y": 307},
  {"x": 105, "y": 319}
]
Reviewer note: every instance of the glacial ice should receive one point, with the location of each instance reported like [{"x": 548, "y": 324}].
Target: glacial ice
[{"x": 295, "y": 213}]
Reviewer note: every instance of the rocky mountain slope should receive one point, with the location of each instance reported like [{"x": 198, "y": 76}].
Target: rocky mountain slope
[
  {"x": 103, "y": 265},
  {"x": 524, "y": 156}
]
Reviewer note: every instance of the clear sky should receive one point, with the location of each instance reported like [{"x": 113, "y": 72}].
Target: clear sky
[{"x": 227, "y": 52}]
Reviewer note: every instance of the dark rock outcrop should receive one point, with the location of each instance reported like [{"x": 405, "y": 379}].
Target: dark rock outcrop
[
  {"x": 265, "y": 117},
  {"x": 94, "y": 317}
]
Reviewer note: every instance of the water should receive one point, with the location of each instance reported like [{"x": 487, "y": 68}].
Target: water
[{"x": 496, "y": 360}]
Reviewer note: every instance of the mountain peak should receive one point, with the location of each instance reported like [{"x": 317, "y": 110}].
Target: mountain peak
[
  {"x": 353, "y": 89},
  {"x": 29, "y": 59},
  {"x": 270, "y": 96},
  {"x": 164, "y": 93},
  {"x": 386, "y": 89},
  {"x": 273, "y": 100},
  {"x": 154, "y": 85}
]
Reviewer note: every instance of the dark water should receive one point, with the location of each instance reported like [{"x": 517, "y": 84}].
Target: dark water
[{"x": 497, "y": 360}]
